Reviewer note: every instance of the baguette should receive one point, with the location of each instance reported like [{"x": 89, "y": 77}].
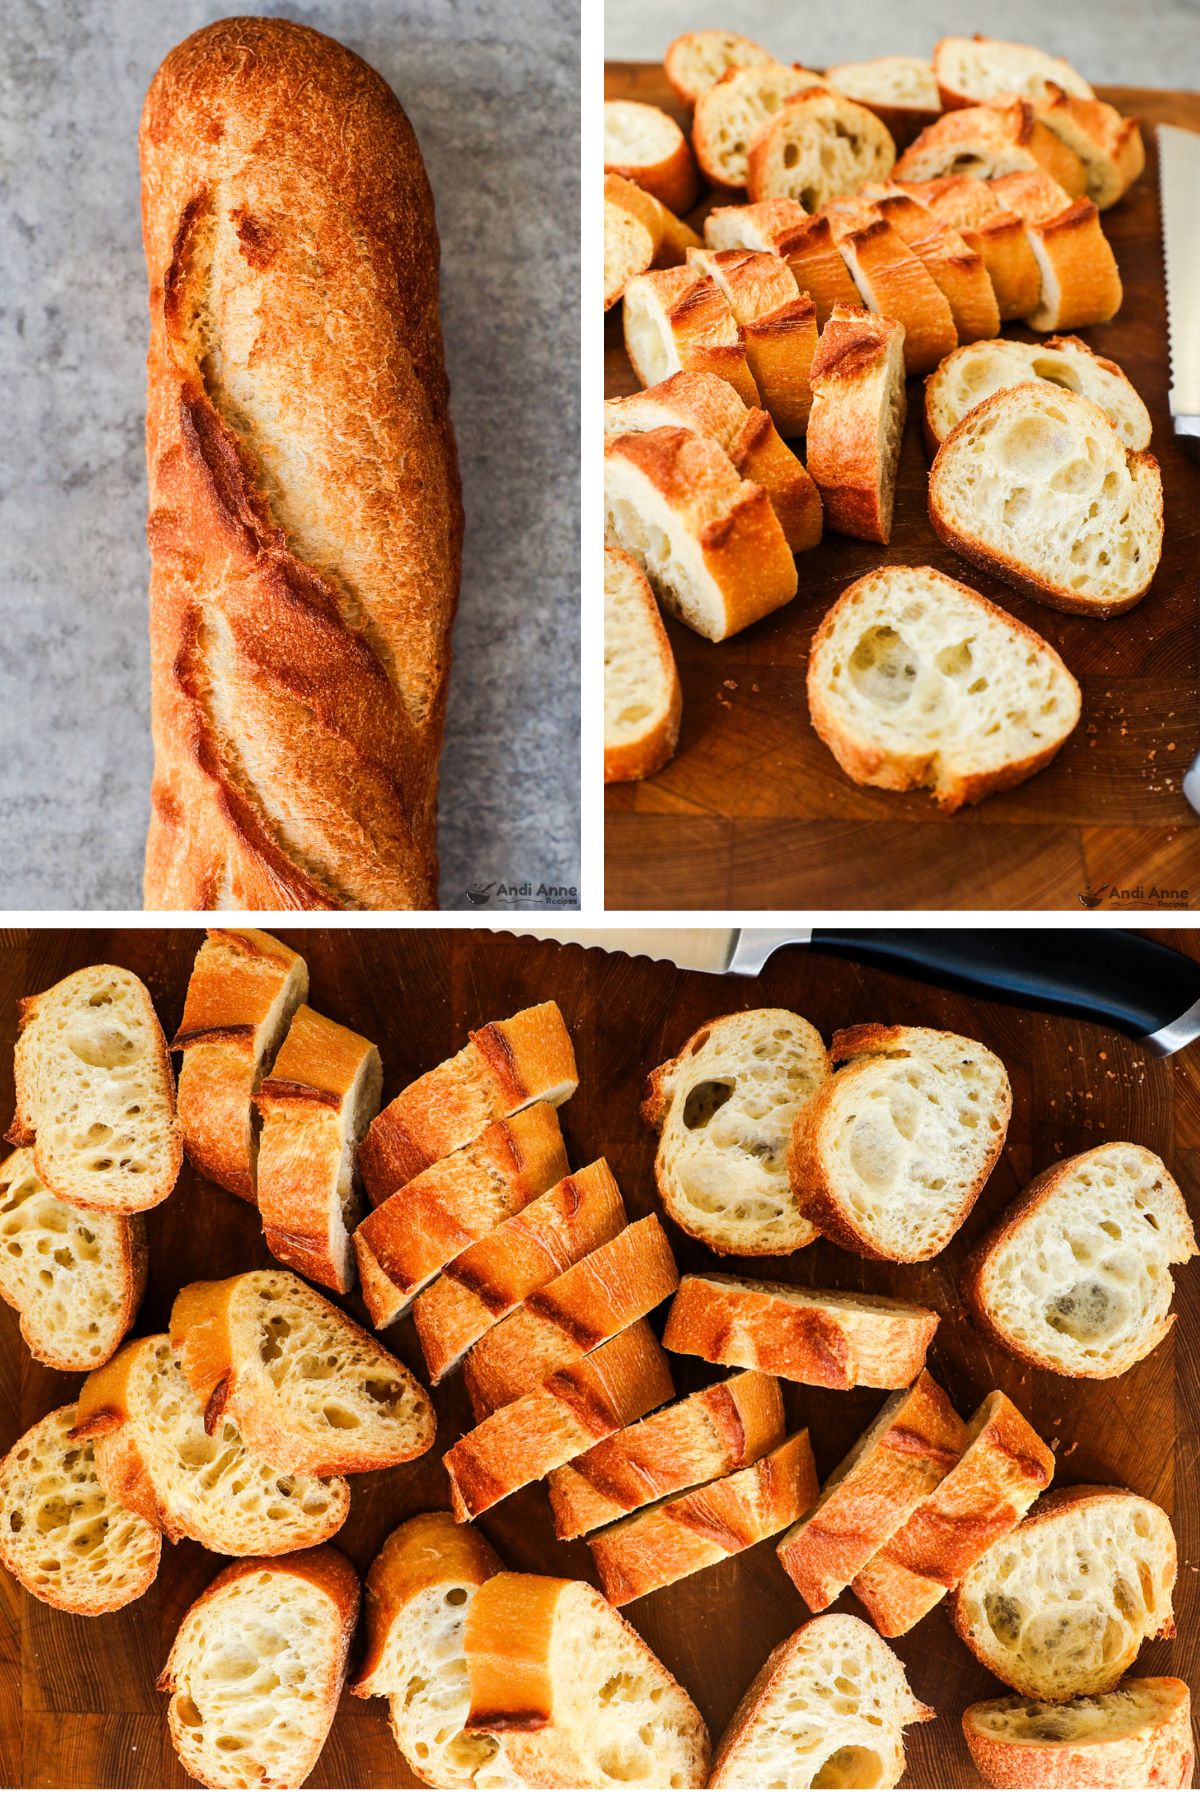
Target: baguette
[
  {"x": 242, "y": 992},
  {"x": 645, "y": 145},
  {"x": 628, "y": 248},
  {"x": 75, "y": 1278},
  {"x": 305, "y": 513},
  {"x": 968, "y": 70},
  {"x": 993, "y": 139},
  {"x": 305, "y": 1385},
  {"x": 893, "y": 280},
  {"x": 957, "y": 267},
  {"x": 1139, "y": 1736},
  {"x": 1109, "y": 147},
  {"x": 155, "y": 1456},
  {"x": 732, "y": 112},
  {"x": 672, "y": 237},
  {"x": 676, "y": 1538},
  {"x": 710, "y": 1434},
  {"x": 679, "y": 319},
  {"x": 256, "y": 1669},
  {"x": 61, "y": 1535},
  {"x": 806, "y": 245},
  {"x": 1030, "y": 193},
  {"x": 899, "y": 90},
  {"x": 571, "y": 1410},
  {"x": 697, "y": 59},
  {"x": 643, "y": 701},
  {"x": 857, "y": 421},
  {"x": 899, "y": 1460},
  {"x": 95, "y": 1093},
  {"x": 572, "y": 1694},
  {"x": 1081, "y": 284},
  {"x": 779, "y": 324},
  {"x": 975, "y": 209},
  {"x": 820, "y": 144},
  {"x": 505, "y": 1067},
  {"x": 406, "y": 1242},
  {"x": 316, "y": 1103},
  {"x": 1002, "y": 1470},
  {"x": 977, "y": 371},
  {"x": 809, "y": 1335}
]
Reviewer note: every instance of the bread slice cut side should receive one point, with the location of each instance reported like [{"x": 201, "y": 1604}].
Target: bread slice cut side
[
  {"x": 672, "y": 237},
  {"x": 697, "y": 59},
  {"x": 643, "y": 701},
  {"x": 996, "y": 138},
  {"x": 628, "y": 250},
  {"x": 732, "y": 112},
  {"x": 779, "y": 323},
  {"x": 1109, "y": 146},
  {"x": 899, "y": 90},
  {"x": 679, "y": 319},
  {"x": 857, "y": 421},
  {"x": 818, "y": 145},
  {"x": 806, "y": 244},
  {"x": 970, "y": 70},
  {"x": 1139, "y": 1736},
  {"x": 645, "y": 144},
  {"x": 977, "y": 371}
]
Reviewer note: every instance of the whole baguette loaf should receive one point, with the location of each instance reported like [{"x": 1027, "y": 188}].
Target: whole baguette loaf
[
  {"x": 305, "y": 518},
  {"x": 1139, "y": 1736}
]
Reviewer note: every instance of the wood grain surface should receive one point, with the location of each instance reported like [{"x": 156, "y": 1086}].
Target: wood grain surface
[
  {"x": 753, "y": 811},
  {"x": 78, "y": 1705}
]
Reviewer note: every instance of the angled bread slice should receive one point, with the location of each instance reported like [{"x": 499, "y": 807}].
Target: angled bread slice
[
  {"x": 1076, "y": 1275},
  {"x": 679, "y": 319},
  {"x": 1002, "y": 1470},
  {"x": 806, "y": 245},
  {"x": 1109, "y": 147},
  {"x": 306, "y": 1386},
  {"x": 1139, "y": 1736},
  {"x": 628, "y": 249},
  {"x": 957, "y": 267},
  {"x": 917, "y": 681},
  {"x": 827, "y": 1709},
  {"x": 899, "y": 1460},
  {"x": 154, "y": 1455},
  {"x": 61, "y": 1536},
  {"x": 818, "y": 145},
  {"x": 779, "y": 324},
  {"x": 445, "y": 1209},
  {"x": 975, "y": 209},
  {"x": 644, "y": 144},
  {"x": 256, "y": 1669},
  {"x": 95, "y": 1093},
  {"x": 1080, "y": 281},
  {"x": 1061, "y": 1606},
  {"x": 697, "y": 59},
  {"x": 643, "y": 701},
  {"x": 572, "y": 1694},
  {"x": 710, "y": 1434},
  {"x": 977, "y": 371},
  {"x": 676, "y": 1538},
  {"x": 76, "y": 1278},
  {"x": 242, "y": 992},
  {"x": 672, "y": 237},
  {"x": 968, "y": 70},
  {"x": 505, "y": 1067},
  {"x": 723, "y": 1109},
  {"x": 893, "y": 280},
  {"x": 893, "y": 1153},
  {"x": 857, "y": 421},
  {"x": 1035, "y": 486},
  {"x": 993, "y": 139},
  {"x": 900, "y": 90},
  {"x": 732, "y": 111},
  {"x": 800, "y": 1334}
]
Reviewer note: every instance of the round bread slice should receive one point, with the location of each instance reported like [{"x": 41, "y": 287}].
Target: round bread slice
[
  {"x": 628, "y": 250},
  {"x": 731, "y": 113},
  {"x": 697, "y": 59},
  {"x": 643, "y": 701},
  {"x": 818, "y": 146},
  {"x": 975, "y": 372},
  {"x": 644, "y": 144},
  {"x": 968, "y": 70},
  {"x": 1139, "y": 1736}
]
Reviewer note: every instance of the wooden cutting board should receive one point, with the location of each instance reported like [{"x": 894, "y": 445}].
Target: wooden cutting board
[
  {"x": 753, "y": 811},
  {"x": 78, "y": 1705}
]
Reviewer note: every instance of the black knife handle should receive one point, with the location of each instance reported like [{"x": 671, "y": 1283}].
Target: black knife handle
[{"x": 1131, "y": 983}]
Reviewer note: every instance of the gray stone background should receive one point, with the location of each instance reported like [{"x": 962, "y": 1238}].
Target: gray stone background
[
  {"x": 492, "y": 87},
  {"x": 1156, "y": 44}
]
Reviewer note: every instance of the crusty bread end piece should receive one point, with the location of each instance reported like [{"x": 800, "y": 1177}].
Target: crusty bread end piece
[{"x": 643, "y": 701}]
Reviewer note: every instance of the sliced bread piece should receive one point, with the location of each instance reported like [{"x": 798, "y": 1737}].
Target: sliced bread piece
[
  {"x": 710, "y": 1434},
  {"x": 316, "y": 1103},
  {"x": 893, "y": 280},
  {"x": 968, "y": 70},
  {"x": 779, "y": 324},
  {"x": 644, "y": 144},
  {"x": 628, "y": 248},
  {"x": 818, "y": 145},
  {"x": 697, "y": 59},
  {"x": 643, "y": 701},
  {"x": 994, "y": 139},
  {"x": 732, "y": 111},
  {"x": 827, "y": 1709},
  {"x": 256, "y": 1669},
  {"x": 976, "y": 371},
  {"x": 1002, "y": 1470},
  {"x": 76, "y": 1278},
  {"x": 917, "y": 681},
  {"x": 875, "y": 1489},
  {"x": 1035, "y": 485},
  {"x": 1139, "y": 1736},
  {"x": 676, "y": 1538},
  {"x": 679, "y": 319},
  {"x": 893, "y": 1153},
  {"x": 411, "y": 1237},
  {"x": 1076, "y": 1275},
  {"x": 857, "y": 421},
  {"x": 1081, "y": 284},
  {"x": 506, "y": 1066},
  {"x": 61, "y": 1535},
  {"x": 154, "y": 1454},
  {"x": 900, "y": 90},
  {"x": 975, "y": 209},
  {"x": 1061, "y": 1606},
  {"x": 723, "y": 1109},
  {"x": 572, "y": 1694},
  {"x": 1109, "y": 147},
  {"x": 806, "y": 244},
  {"x": 801, "y": 1334},
  {"x": 306, "y": 1386},
  {"x": 672, "y": 237},
  {"x": 95, "y": 1093},
  {"x": 242, "y": 992},
  {"x": 957, "y": 267}
]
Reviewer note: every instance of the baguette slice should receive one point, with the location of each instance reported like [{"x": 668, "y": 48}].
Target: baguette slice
[
  {"x": 676, "y": 1538},
  {"x": 573, "y": 1409},
  {"x": 95, "y": 1093},
  {"x": 900, "y": 90},
  {"x": 723, "y": 1109},
  {"x": 698, "y": 59},
  {"x": 616, "y": 1284},
  {"x": 827, "y": 1709},
  {"x": 1139, "y": 1736},
  {"x": 806, "y": 245},
  {"x": 1081, "y": 284},
  {"x": 1036, "y": 486},
  {"x": 968, "y": 70},
  {"x": 61, "y": 1536},
  {"x": 957, "y": 267},
  {"x": 817, "y": 146},
  {"x": 894, "y": 281},
  {"x": 75, "y": 1278},
  {"x": 917, "y": 681},
  {"x": 779, "y": 324},
  {"x": 993, "y": 139},
  {"x": 857, "y": 421},
  {"x": 1109, "y": 146},
  {"x": 897, "y": 1462},
  {"x": 679, "y": 319},
  {"x": 505, "y": 1067},
  {"x": 1075, "y": 1277},
  {"x": 1002, "y": 1470},
  {"x": 573, "y": 1695},
  {"x": 977, "y": 371},
  {"x": 643, "y": 701},
  {"x": 242, "y": 992},
  {"x": 256, "y": 1669},
  {"x": 732, "y": 112},
  {"x": 809, "y": 1335},
  {"x": 483, "y": 1284},
  {"x": 1061, "y": 1606},
  {"x": 644, "y": 144},
  {"x": 154, "y": 1455},
  {"x": 975, "y": 209},
  {"x": 628, "y": 247},
  {"x": 893, "y": 1153},
  {"x": 306, "y": 1386},
  {"x": 408, "y": 1240},
  {"x": 316, "y": 1103},
  {"x": 672, "y": 237},
  {"x": 709, "y": 1435}
]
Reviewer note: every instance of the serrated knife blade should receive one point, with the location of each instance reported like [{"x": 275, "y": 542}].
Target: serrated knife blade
[{"x": 1179, "y": 185}]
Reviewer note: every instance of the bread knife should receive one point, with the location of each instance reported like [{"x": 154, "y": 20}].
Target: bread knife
[
  {"x": 1179, "y": 184},
  {"x": 1141, "y": 988}
]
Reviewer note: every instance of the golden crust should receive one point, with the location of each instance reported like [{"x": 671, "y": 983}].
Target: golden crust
[
  {"x": 425, "y": 1551},
  {"x": 957, "y": 267},
  {"x": 1157, "y": 1754},
  {"x": 1087, "y": 283},
  {"x": 1002, "y": 134},
  {"x": 699, "y": 322},
  {"x": 991, "y": 228},
  {"x": 670, "y": 178},
  {"x": 1109, "y": 146},
  {"x": 779, "y": 323},
  {"x": 899, "y": 287},
  {"x": 628, "y": 248},
  {"x": 637, "y": 757},
  {"x": 857, "y": 378},
  {"x": 672, "y": 237}
]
